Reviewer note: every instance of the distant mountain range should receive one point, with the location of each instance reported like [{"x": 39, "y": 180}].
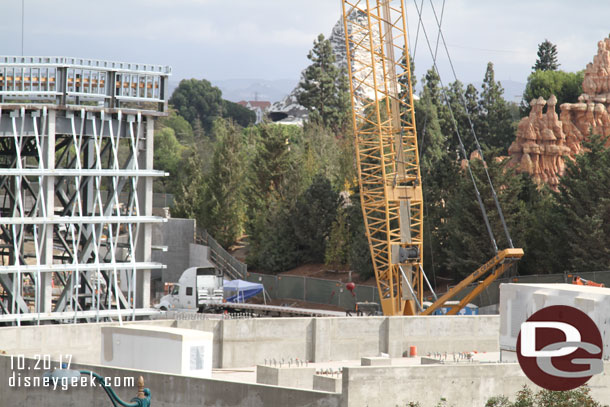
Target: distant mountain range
[
  {"x": 275, "y": 90},
  {"x": 236, "y": 90}
]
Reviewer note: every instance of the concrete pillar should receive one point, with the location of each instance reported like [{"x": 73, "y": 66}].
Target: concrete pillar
[
  {"x": 48, "y": 190},
  {"x": 321, "y": 330},
  {"x": 145, "y": 197},
  {"x": 392, "y": 337}
]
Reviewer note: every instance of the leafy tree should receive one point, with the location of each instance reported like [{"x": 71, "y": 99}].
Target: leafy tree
[
  {"x": 201, "y": 104},
  {"x": 324, "y": 89},
  {"x": 579, "y": 397},
  {"x": 495, "y": 125},
  {"x": 197, "y": 100},
  {"x": 566, "y": 86},
  {"x": 320, "y": 151},
  {"x": 337, "y": 249},
  {"x": 547, "y": 57},
  {"x": 183, "y": 130},
  {"x": 583, "y": 206},
  {"x": 167, "y": 156}
]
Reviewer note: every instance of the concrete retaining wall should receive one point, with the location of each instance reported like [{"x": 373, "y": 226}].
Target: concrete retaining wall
[
  {"x": 177, "y": 234},
  {"x": 167, "y": 391},
  {"x": 460, "y": 385},
  {"x": 248, "y": 342}
]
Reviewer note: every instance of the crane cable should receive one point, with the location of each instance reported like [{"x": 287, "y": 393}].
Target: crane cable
[
  {"x": 463, "y": 149},
  {"x": 474, "y": 135},
  {"x": 423, "y": 137}
]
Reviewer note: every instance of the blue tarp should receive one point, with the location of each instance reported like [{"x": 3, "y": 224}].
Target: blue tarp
[{"x": 240, "y": 290}]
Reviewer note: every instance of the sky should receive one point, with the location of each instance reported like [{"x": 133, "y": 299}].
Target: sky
[{"x": 269, "y": 39}]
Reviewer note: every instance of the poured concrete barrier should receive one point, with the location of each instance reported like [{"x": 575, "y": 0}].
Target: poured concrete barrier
[
  {"x": 295, "y": 377},
  {"x": 375, "y": 361},
  {"x": 331, "y": 384}
]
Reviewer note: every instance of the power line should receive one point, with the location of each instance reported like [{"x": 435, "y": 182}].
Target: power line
[
  {"x": 474, "y": 135},
  {"x": 459, "y": 137}
]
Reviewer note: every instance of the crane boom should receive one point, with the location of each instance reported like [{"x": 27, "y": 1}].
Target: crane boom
[
  {"x": 389, "y": 177},
  {"x": 386, "y": 148}
]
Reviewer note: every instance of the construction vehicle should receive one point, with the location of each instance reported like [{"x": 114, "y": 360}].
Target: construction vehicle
[
  {"x": 388, "y": 161},
  {"x": 581, "y": 281}
]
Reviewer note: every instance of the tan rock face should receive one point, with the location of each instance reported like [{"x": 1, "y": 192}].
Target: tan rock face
[{"x": 544, "y": 139}]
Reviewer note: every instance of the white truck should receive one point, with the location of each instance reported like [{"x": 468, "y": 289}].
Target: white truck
[{"x": 198, "y": 288}]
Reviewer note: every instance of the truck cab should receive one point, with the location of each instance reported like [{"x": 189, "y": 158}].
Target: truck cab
[{"x": 198, "y": 288}]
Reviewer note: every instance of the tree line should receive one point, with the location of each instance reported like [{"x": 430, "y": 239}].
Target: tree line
[{"x": 293, "y": 191}]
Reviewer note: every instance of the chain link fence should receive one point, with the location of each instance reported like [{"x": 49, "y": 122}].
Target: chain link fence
[{"x": 314, "y": 290}]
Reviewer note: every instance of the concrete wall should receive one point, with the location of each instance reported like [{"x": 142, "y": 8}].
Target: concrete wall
[
  {"x": 82, "y": 341},
  {"x": 460, "y": 385},
  {"x": 176, "y": 234},
  {"x": 166, "y": 390},
  {"x": 198, "y": 254},
  {"x": 248, "y": 342}
]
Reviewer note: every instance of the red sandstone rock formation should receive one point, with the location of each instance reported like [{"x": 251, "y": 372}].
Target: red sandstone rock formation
[{"x": 544, "y": 139}]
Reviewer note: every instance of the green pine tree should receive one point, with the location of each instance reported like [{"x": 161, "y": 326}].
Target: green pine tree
[
  {"x": 547, "y": 57},
  {"x": 583, "y": 204},
  {"x": 221, "y": 211},
  {"x": 496, "y": 128},
  {"x": 324, "y": 88}
]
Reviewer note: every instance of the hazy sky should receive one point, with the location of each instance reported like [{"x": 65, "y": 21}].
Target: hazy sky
[{"x": 269, "y": 39}]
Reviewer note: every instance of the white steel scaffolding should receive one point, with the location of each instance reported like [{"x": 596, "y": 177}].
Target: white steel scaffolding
[{"x": 76, "y": 172}]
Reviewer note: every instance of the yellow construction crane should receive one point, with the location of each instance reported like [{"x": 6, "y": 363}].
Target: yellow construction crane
[{"x": 388, "y": 159}]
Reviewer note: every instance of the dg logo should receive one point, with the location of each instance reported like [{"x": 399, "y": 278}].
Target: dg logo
[{"x": 560, "y": 348}]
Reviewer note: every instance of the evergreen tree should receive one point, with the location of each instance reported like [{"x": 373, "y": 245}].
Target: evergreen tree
[
  {"x": 312, "y": 219},
  {"x": 359, "y": 252},
  {"x": 547, "y": 57},
  {"x": 495, "y": 126},
  {"x": 460, "y": 100},
  {"x": 189, "y": 185},
  {"x": 583, "y": 204},
  {"x": 273, "y": 184},
  {"x": 271, "y": 163},
  {"x": 467, "y": 244},
  {"x": 324, "y": 88},
  {"x": 221, "y": 211}
]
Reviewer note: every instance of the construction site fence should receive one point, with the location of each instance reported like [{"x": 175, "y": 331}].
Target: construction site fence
[
  {"x": 316, "y": 290},
  {"x": 335, "y": 293}
]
